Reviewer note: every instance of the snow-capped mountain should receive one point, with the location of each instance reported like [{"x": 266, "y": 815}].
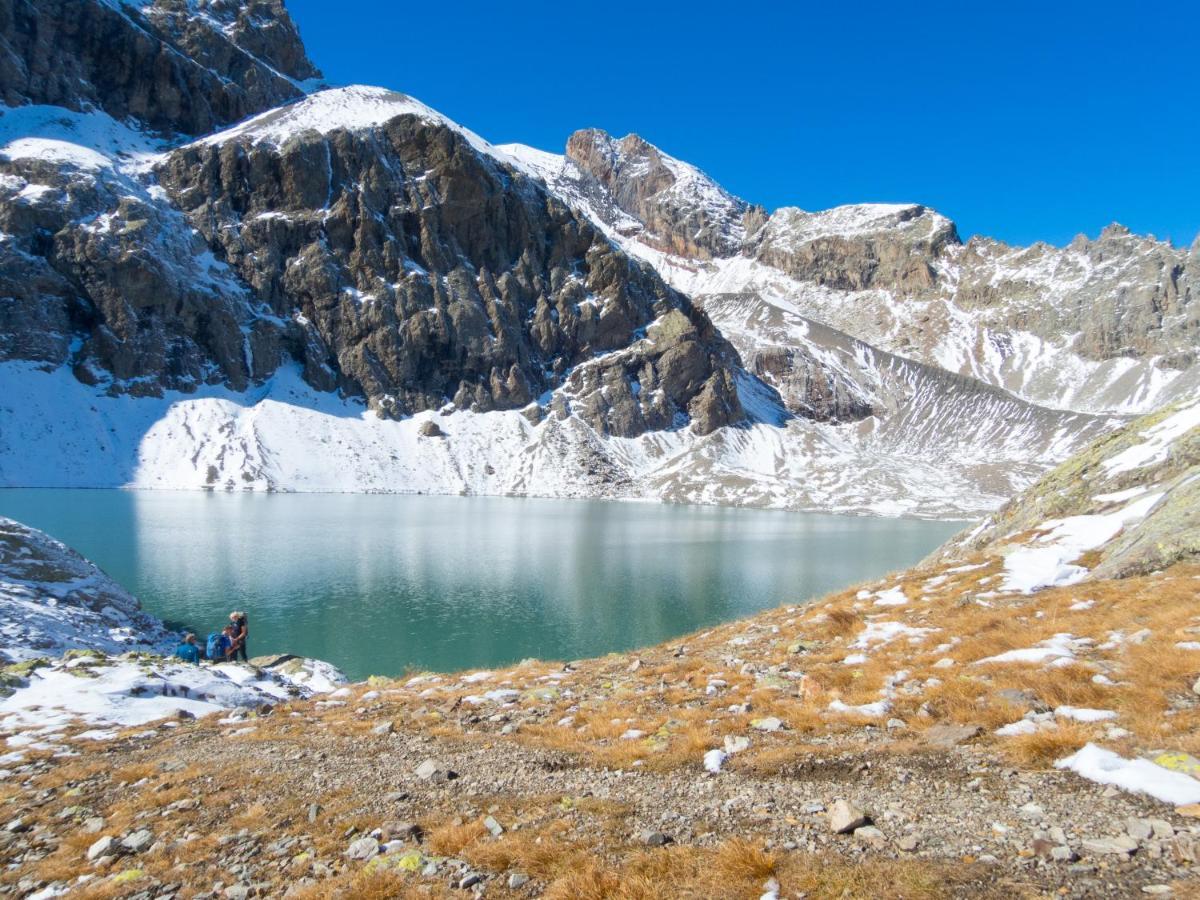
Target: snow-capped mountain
[
  {"x": 1108, "y": 325},
  {"x": 348, "y": 291}
]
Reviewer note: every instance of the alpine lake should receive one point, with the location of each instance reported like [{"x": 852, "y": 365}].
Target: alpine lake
[{"x": 383, "y": 584}]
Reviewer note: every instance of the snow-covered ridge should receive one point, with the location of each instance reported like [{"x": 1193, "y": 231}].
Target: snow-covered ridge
[
  {"x": 53, "y": 600},
  {"x": 87, "y": 140},
  {"x": 354, "y": 108},
  {"x": 853, "y": 220}
]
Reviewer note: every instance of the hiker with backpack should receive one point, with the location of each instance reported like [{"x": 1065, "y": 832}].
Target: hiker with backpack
[
  {"x": 240, "y": 632},
  {"x": 219, "y": 647}
]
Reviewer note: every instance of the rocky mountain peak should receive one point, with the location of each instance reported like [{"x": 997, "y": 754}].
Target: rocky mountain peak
[{"x": 681, "y": 210}]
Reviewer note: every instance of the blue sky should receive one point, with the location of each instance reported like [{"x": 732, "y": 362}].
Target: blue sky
[{"x": 1021, "y": 121}]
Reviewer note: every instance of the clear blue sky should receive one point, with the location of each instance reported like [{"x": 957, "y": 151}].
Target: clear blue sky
[{"x": 1023, "y": 121}]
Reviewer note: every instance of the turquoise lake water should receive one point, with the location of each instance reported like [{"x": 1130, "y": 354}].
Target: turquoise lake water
[{"x": 378, "y": 584}]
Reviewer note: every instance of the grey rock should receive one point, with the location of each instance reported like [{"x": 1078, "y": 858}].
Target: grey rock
[
  {"x": 383, "y": 728},
  {"x": 138, "y": 841},
  {"x": 947, "y": 736},
  {"x": 470, "y": 880},
  {"x": 1161, "y": 829},
  {"x": 517, "y": 880},
  {"x": 1139, "y": 829},
  {"x": 769, "y": 723},
  {"x": 908, "y": 843},
  {"x": 1032, "y": 812},
  {"x": 432, "y": 770},
  {"x": 105, "y": 846},
  {"x": 363, "y": 848},
  {"x": 869, "y": 834},
  {"x": 1063, "y": 853},
  {"x": 655, "y": 839},
  {"x": 845, "y": 817},
  {"x": 1121, "y": 845},
  {"x": 402, "y": 831},
  {"x": 493, "y": 827}
]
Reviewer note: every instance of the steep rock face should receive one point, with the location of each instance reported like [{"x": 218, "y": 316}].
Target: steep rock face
[
  {"x": 675, "y": 207},
  {"x": 97, "y": 273},
  {"x": 176, "y": 65},
  {"x": 421, "y": 269}
]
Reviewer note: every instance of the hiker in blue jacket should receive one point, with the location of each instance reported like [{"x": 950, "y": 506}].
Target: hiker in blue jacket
[{"x": 187, "y": 650}]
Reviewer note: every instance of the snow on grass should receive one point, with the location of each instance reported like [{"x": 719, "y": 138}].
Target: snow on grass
[
  {"x": 1058, "y": 650},
  {"x": 891, "y": 597},
  {"x": 131, "y": 692},
  {"x": 1157, "y": 444},
  {"x": 880, "y": 633},
  {"x": 1047, "y": 560},
  {"x": 1120, "y": 496},
  {"x": 1031, "y": 723},
  {"x": 1081, "y": 714},
  {"x": 1137, "y": 776},
  {"x": 873, "y": 710},
  {"x": 714, "y": 759}
]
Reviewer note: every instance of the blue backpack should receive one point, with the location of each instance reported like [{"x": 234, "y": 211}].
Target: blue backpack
[{"x": 213, "y": 646}]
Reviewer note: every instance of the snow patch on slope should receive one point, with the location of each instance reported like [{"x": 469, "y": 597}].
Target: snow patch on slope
[{"x": 1047, "y": 562}]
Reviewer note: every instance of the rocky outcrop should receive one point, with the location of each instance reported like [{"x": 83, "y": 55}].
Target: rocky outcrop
[
  {"x": 174, "y": 65},
  {"x": 1059, "y": 326},
  {"x": 1152, "y": 463},
  {"x": 1130, "y": 295},
  {"x": 853, "y": 248},
  {"x": 53, "y": 600}
]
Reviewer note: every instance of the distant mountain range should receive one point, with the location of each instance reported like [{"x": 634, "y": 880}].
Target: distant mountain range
[{"x": 215, "y": 273}]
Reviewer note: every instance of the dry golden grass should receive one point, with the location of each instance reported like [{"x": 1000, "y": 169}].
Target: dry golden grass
[
  {"x": 541, "y": 856},
  {"x": 740, "y": 869},
  {"x": 450, "y": 839},
  {"x": 1042, "y": 748}
]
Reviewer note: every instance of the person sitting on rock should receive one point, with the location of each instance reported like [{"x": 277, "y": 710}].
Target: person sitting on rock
[
  {"x": 240, "y": 632},
  {"x": 187, "y": 649}
]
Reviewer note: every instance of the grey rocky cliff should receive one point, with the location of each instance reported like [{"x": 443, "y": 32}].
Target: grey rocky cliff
[{"x": 174, "y": 65}]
